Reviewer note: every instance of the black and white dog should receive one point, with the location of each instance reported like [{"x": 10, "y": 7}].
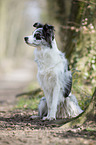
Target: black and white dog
[{"x": 53, "y": 74}]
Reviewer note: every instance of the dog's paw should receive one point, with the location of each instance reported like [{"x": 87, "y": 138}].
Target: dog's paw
[
  {"x": 45, "y": 118},
  {"x": 34, "y": 117},
  {"x": 49, "y": 118},
  {"x": 52, "y": 118}
]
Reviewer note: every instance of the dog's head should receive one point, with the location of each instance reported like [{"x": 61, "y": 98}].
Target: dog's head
[{"x": 43, "y": 35}]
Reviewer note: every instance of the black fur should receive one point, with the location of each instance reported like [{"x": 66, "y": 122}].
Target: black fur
[
  {"x": 47, "y": 32},
  {"x": 38, "y": 36},
  {"x": 38, "y": 25},
  {"x": 68, "y": 86}
]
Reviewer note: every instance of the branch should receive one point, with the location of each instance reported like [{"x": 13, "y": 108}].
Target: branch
[{"x": 32, "y": 93}]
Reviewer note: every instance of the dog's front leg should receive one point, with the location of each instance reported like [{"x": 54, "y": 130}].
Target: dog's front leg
[
  {"x": 52, "y": 109},
  {"x": 49, "y": 104}
]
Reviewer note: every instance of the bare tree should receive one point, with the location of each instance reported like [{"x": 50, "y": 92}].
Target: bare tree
[{"x": 3, "y": 23}]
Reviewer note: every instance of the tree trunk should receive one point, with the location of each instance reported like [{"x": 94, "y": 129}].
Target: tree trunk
[
  {"x": 3, "y": 38},
  {"x": 89, "y": 113},
  {"x": 78, "y": 9},
  {"x": 14, "y": 31},
  {"x": 69, "y": 14}
]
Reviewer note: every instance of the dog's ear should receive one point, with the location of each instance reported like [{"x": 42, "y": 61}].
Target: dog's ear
[
  {"x": 38, "y": 25},
  {"x": 51, "y": 27},
  {"x": 48, "y": 27}
]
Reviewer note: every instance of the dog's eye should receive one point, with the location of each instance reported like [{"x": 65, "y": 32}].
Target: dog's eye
[{"x": 38, "y": 37}]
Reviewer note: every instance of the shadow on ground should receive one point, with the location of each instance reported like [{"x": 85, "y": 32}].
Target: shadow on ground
[{"x": 20, "y": 120}]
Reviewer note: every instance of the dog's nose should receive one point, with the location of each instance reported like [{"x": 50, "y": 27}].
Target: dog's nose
[{"x": 26, "y": 38}]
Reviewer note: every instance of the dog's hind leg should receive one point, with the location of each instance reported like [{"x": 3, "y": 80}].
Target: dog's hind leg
[{"x": 42, "y": 108}]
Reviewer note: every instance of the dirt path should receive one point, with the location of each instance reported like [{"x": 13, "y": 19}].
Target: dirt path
[
  {"x": 12, "y": 83},
  {"x": 17, "y": 128}
]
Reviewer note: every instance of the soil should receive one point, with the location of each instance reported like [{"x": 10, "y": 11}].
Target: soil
[{"x": 16, "y": 126}]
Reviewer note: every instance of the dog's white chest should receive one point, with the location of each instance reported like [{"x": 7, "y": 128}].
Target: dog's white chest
[{"x": 49, "y": 65}]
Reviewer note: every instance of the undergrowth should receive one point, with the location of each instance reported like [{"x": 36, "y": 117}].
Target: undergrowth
[{"x": 26, "y": 103}]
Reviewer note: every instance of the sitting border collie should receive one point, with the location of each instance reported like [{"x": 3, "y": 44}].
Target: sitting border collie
[{"x": 53, "y": 75}]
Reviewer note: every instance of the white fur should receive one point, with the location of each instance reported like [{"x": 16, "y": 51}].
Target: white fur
[
  {"x": 53, "y": 76},
  {"x": 42, "y": 107},
  {"x": 71, "y": 107}
]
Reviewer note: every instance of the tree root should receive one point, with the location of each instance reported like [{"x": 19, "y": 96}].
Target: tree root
[{"x": 83, "y": 117}]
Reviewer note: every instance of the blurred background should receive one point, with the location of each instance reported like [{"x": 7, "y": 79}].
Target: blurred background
[{"x": 75, "y": 25}]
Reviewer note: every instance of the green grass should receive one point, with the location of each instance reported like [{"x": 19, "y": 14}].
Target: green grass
[
  {"x": 29, "y": 102},
  {"x": 90, "y": 129},
  {"x": 26, "y": 103}
]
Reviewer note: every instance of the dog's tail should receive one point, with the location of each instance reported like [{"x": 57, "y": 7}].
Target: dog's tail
[{"x": 72, "y": 109}]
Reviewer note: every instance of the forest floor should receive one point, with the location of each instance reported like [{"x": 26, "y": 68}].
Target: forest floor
[{"x": 16, "y": 127}]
